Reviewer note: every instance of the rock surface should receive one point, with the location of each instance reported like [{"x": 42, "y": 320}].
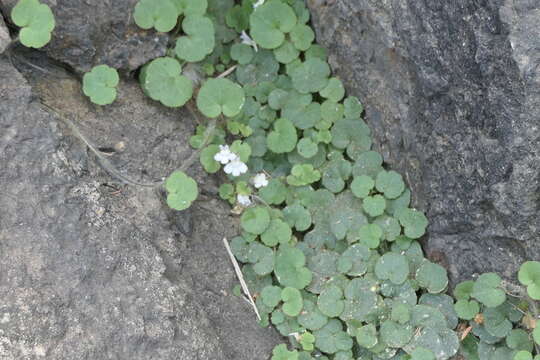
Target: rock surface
[
  {"x": 452, "y": 92},
  {"x": 5, "y": 39},
  {"x": 90, "y": 33},
  {"x": 90, "y": 269}
]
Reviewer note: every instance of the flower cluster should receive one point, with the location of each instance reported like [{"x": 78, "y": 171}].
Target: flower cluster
[{"x": 232, "y": 162}]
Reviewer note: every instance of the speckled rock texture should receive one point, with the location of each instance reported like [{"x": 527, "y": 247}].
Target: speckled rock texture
[
  {"x": 91, "y": 268},
  {"x": 5, "y": 39},
  {"x": 452, "y": 93},
  {"x": 90, "y": 33}
]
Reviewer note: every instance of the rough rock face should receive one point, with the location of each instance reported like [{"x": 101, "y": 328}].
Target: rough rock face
[
  {"x": 452, "y": 92},
  {"x": 90, "y": 269},
  {"x": 5, "y": 39},
  {"x": 90, "y": 33}
]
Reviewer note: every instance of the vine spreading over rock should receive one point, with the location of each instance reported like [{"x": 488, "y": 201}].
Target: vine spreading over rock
[{"x": 328, "y": 239}]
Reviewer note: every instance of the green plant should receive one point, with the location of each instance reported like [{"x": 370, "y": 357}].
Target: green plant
[
  {"x": 329, "y": 241},
  {"x": 36, "y": 20},
  {"x": 100, "y": 84}
]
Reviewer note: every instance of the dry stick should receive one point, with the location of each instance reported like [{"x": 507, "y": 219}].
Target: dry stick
[
  {"x": 241, "y": 278},
  {"x": 227, "y": 72}
]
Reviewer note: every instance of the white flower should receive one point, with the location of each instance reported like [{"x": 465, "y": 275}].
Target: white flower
[
  {"x": 258, "y": 3},
  {"x": 247, "y": 40},
  {"x": 260, "y": 180},
  {"x": 235, "y": 167},
  {"x": 224, "y": 155},
  {"x": 243, "y": 200}
]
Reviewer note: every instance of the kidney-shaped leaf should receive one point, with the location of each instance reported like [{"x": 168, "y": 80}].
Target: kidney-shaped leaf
[
  {"x": 181, "y": 190},
  {"x": 219, "y": 96},
  {"x": 36, "y": 20},
  {"x": 269, "y": 23},
  {"x": 161, "y": 79},
  {"x": 100, "y": 84}
]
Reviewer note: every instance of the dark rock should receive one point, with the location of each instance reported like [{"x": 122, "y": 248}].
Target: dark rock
[
  {"x": 5, "y": 39},
  {"x": 92, "y": 268},
  {"x": 90, "y": 33},
  {"x": 452, "y": 93}
]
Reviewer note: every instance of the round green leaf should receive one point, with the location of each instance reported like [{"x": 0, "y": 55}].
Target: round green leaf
[
  {"x": 368, "y": 163},
  {"x": 271, "y": 296},
  {"x": 220, "y": 96},
  {"x": 334, "y": 90},
  {"x": 306, "y": 340},
  {"x": 529, "y": 275},
  {"x": 390, "y": 183},
  {"x": 191, "y": 7},
  {"x": 432, "y": 276},
  {"x": 181, "y": 190},
  {"x": 394, "y": 334},
  {"x": 210, "y": 165},
  {"x": 370, "y": 235},
  {"x": 414, "y": 222},
  {"x": 277, "y": 232},
  {"x": 311, "y": 76},
  {"x": 289, "y": 267},
  {"x": 421, "y": 353},
  {"x": 307, "y": 148},
  {"x": 262, "y": 258},
  {"x": 286, "y": 52},
  {"x": 353, "y": 108},
  {"x": 466, "y": 309},
  {"x": 362, "y": 185},
  {"x": 352, "y": 135},
  {"x": 393, "y": 267},
  {"x": 486, "y": 290},
  {"x": 303, "y": 174},
  {"x": 302, "y": 36},
  {"x": 100, "y": 84},
  {"x": 161, "y": 79},
  {"x": 374, "y": 205},
  {"x": 274, "y": 193},
  {"x": 199, "y": 40},
  {"x": 280, "y": 352},
  {"x": 36, "y": 20},
  {"x": 354, "y": 260},
  {"x": 331, "y": 302},
  {"x": 331, "y": 338},
  {"x": 161, "y": 15},
  {"x": 283, "y": 138},
  {"x": 463, "y": 290},
  {"x": 523, "y": 355},
  {"x": 311, "y": 317},
  {"x": 255, "y": 220},
  {"x": 366, "y": 336},
  {"x": 269, "y": 23},
  {"x": 242, "y": 53},
  {"x": 297, "y": 216},
  {"x": 518, "y": 339},
  {"x": 292, "y": 301}
]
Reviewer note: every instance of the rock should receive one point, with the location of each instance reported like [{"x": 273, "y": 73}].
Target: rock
[
  {"x": 5, "y": 39},
  {"x": 90, "y": 33},
  {"x": 451, "y": 91},
  {"x": 92, "y": 268}
]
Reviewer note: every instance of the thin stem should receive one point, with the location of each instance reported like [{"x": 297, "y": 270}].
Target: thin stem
[{"x": 208, "y": 135}]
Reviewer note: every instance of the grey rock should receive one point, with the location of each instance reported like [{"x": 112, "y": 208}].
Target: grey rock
[
  {"x": 452, "y": 93},
  {"x": 90, "y": 33},
  {"x": 91, "y": 267},
  {"x": 5, "y": 39}
]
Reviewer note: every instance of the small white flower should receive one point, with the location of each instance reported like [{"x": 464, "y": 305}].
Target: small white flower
[
  {"x": 258, "y": 3},
  {"x": 224, "y": 155},
  {"x": 260, "y": 180},
  {"x": 243, "y": 200},
  {"x": 248, "y": 41},
  {"x": 235, "y": 167}
]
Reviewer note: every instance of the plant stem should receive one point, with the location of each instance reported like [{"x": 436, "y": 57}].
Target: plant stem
[{"x": 208, "y": 135}]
